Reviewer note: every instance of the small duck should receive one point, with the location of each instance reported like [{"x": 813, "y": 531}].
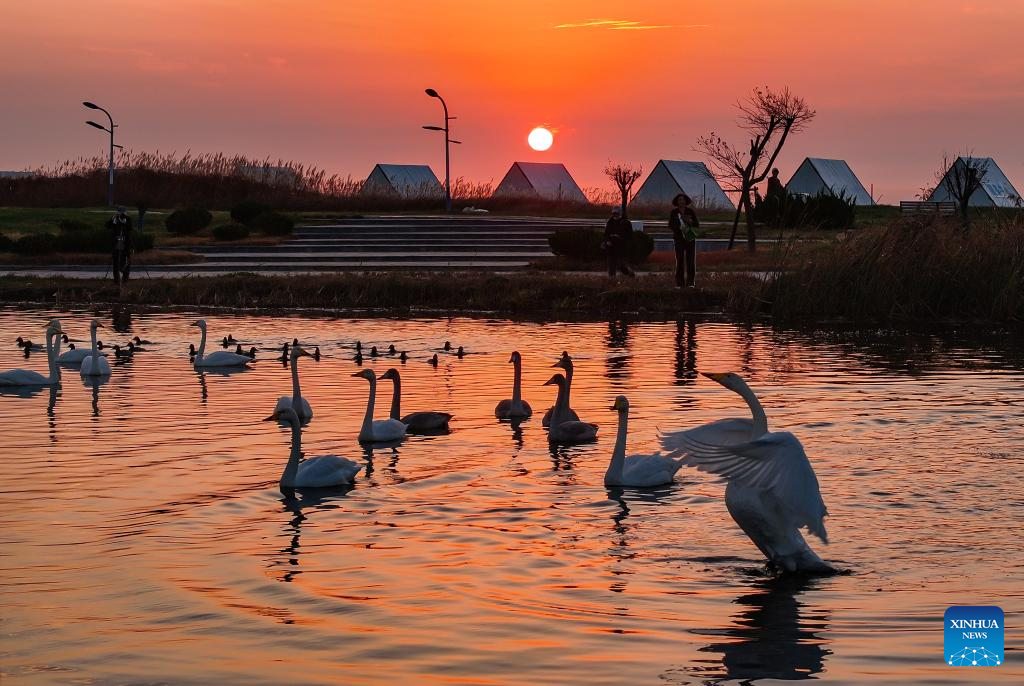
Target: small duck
[
  {"x": 134, "y": 348},
  {"x": 447, "y": 346},
  {"x": 284, "y": 353},
  {"x": 316, "y": 353},
  {"x": 228, "y": 340},
  {"x": 373, "y": 351},
  {"x": 404, "y": 356},
  {"x": 359, "y": 346},
  {"x": 99, "y": 345},
  {"x": 141, "y": 341},
  {"x": 123, "y": 353},
  {"x": 251, "y": 353},
  {"x": 391, "y": 349},
  {"x": 238, "y": 349},
  {"x": 28, "y": 345},
  {"x": 358, "y": 357},
  {"x": 460, "y": 353},
  {"x": 433, "y": 360},
  {"x": 191, "y": 349}
]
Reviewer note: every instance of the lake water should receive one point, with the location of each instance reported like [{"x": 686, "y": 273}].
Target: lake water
[{"x": 144, "y": 538}]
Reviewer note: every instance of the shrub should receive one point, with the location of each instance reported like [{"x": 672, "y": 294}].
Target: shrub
[
  {"x": 640, "y": 247},
  {"x": 73, "y": 226},
  {"x": 99, "y": 241},
  {"x": 246, "y": 211},
  {"x": 230, "y": 232},
  {"x": 825, "y": 210},
  {"x": 188, "y": 220},
  {"x": 35, "y": 244},
  {"x": 577, "y": 244},
  {"x": 6, "y": 243},
  {"x": 273, "y": 224}
]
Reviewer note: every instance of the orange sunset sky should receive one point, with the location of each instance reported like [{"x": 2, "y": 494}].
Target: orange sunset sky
[{"x": 339, "y": 83}]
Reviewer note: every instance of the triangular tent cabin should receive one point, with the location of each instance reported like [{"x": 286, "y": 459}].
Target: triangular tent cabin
[
  {"x": 405, "y": 180},
  {"x": 672, "y": 177},
  {"x": 549, "y": 180},
  {"x": 996, "y": 190},
  {"x": 817, "y": 175}
]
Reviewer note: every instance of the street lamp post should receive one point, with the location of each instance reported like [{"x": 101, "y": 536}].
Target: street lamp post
[
  {"x": 447, "y": 141},
  {"x": 110, "y": 182}
]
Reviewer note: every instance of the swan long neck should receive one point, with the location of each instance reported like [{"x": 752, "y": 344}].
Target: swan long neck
[
  {"x": 92, "y": 334},
  {"x": 291, "y": 470},
  {"x": 760, "y": 426},
  {"x": 367, "y": 428},
  {"x": 568, "y": 380},
  {"x": 618, "y": 463},
  {"x": 517, "y": 382},
  {"x": 202, "y": 345},
  {"x": 51, "y": 357},
  {"x": 561, "y": 405},
  {"x": 396, "y": 398},
  {"x": 296, "y": 392}
]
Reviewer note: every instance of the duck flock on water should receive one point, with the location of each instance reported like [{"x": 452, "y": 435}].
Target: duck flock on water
[{"x": 772, "y": 491}]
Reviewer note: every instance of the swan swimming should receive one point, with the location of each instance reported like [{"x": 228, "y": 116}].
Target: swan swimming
[
  {"x": 72, "y": 356},
  {"x": 295, "y": 401},
  {"x": 415, "y": 422},
  {"x": 565, "y": 363},
  {"x": 318, "y": 471},
  {"x": 377, "y": 430},
  {"x": 220, "y": 358},
  {"x": 772, "y": 490},
  {"x": 640, "y": 471},
  {"x": 95, "y": 364},
  {"x": 563, "y": 429},
  {"x": 28, "y": 377},
  {"x": 515, "y": 407}
]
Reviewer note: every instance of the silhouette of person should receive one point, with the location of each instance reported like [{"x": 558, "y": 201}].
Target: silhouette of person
[
  {"x": 683, "y": 223},
  {"x": 120, "y": 226},
  {"x": 618, "y": 232}
]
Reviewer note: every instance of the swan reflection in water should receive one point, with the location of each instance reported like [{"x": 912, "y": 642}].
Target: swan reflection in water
[
  {"x": 94, "y": 383},
  {"x": 775, "y": 636},
  {"x": 295, "y": 503},
  {"x": 215, "y": 371}
]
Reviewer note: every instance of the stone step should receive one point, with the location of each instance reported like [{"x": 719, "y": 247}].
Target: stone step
[
  {"x": 299, "y": 258},
  {"x": 290, "y": 249}
]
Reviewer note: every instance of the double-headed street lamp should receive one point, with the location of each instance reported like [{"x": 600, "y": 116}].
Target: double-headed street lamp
[
  {"x": 447, "y": 157},
  {"x": 110, "y": 184}
]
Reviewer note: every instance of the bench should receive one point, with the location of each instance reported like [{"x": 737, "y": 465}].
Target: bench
[{"x": 927, "y": 207}]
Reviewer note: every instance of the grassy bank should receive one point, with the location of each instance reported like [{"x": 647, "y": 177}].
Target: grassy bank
[{"x": 403, "y": 292}]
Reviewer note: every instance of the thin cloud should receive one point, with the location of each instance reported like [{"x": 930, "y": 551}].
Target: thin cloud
[{"x": 623, "y": 25}]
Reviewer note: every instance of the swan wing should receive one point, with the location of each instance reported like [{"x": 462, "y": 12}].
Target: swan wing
[
  {"x": 718, "y": 433},
  {"x": 74, "y": 356},
  {"x": 223, "y": 358},
  {"x": 326, "y": 470},
  {"x": 574, "y": 431},
  {"x": 306, "y": 410},
  {"x": 283, "y": 403},
  {"x": 426, "y": 421},
  {"x": 22, "y": 377},
  {"x": 776, "y": 463},
  {"x": 388, "y": 429},
  {"x": 649, "y": 470}
]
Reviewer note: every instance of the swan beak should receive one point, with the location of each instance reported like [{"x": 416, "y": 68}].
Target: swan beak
[
  {"x": 548, "y": 383},
  {"x": 303, "y": 351},
  {"x": 271, "y": 418},
  {"x": 714, "y": 376}
]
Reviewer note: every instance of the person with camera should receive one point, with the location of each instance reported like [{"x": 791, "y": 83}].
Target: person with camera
[
  {"x": 120, "y": 226},
  {"x": 683, "y": 223},
  {"x": 618, "y": 232}
]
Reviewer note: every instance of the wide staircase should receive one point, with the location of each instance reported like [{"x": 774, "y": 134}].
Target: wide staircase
[{"x": 396, "y": 242}]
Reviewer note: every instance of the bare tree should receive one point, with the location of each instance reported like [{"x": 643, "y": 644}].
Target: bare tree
[
  {"x": 960, "y": 179},
  {"x": 769, "y": 117},
  {"x": 623, "y": 176}
]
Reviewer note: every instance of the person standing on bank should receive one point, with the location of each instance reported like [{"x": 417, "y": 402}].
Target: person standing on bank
[
  {"x": 683, "y": 223},
  {"x": 120, "y": 226},
  {"x": 618, "y": 232}
]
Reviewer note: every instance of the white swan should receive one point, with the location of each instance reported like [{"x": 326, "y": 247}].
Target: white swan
[
  {"x": 295, "y": 401},
  {"x": 318, "y": 471},
  {"x": 563, "y": 429},
  {"x": 772, "y": 490},
  {"x": 377, "y": 430},
  {"x": 221, "y": 358},
  {"x": 95, "y": 364},
  {"x": 72, "y": 356},
  {"x": 515, "y": 407},
  {"x": 636, "y": 470},
  {"x": 565, "y": 363},
  {"x": 415, "y": 422},
  {"x": 28, "y": 377}
]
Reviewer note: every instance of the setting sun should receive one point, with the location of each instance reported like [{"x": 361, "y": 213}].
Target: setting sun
[{"x": 540, "y": 139}]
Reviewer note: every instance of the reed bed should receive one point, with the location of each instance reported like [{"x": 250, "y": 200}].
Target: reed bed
[
  {"x": 931, "y": 270},
  {"x": 523, "y": 293}
]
